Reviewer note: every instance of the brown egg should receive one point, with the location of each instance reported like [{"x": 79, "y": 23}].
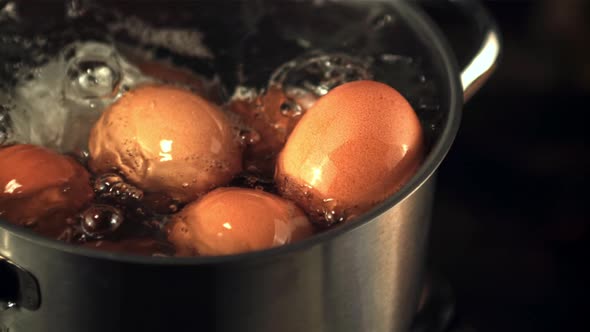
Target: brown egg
[
  {"x": 166, "y": 140},
  {"x": 236, "y": 220},
  {"x": 356, "y": 146},
  {"x": 271, "y": 116},
  {"x": 41, "y": 188}
]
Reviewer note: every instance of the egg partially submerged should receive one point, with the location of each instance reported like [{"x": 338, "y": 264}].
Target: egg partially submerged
[
  {"x": 358, "y": 145},
  {"x": 166, "y": 140},
  {"x": 40, "y": 188},
  {"x": 237, "y": 220}
]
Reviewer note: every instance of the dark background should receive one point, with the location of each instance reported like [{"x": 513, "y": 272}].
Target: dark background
[{"x": 510, "y": 220}]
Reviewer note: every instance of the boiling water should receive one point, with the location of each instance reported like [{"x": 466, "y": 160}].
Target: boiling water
[{"x": 58, "y": 76}]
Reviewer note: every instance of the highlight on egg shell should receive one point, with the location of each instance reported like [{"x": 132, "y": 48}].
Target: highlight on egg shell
[
  {"x": 40, "y": 188},
  {"x": 236, "y": 220},
  {"x": 167, "y": 140},
  {"x": 357, "y": 145}
]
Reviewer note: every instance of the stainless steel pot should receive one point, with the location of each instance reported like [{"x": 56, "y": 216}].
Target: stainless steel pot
[{"x": 361, "y": 276}]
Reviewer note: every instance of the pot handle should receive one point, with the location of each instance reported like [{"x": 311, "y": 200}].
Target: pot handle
[
  {"x": 18, "y": 288},
  {"x": 481, "y": 66}
]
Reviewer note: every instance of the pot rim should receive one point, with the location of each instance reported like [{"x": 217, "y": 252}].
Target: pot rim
[{"x": 420, "y": 23}]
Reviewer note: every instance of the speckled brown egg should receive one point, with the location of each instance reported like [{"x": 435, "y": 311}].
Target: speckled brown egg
[
  {"x": 166, "y": 140},
  {"x": 359, "y": 144},
  {"x": 237, "y": 220},
  {"x": 40, "y": 188}
]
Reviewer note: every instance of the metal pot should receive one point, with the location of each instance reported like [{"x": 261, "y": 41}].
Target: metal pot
[{"x": 361, "y": 276}]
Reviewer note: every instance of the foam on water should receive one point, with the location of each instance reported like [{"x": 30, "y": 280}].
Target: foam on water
[
  {"x": 56, "y": 105},
  {"x": 188, "y": 42}
]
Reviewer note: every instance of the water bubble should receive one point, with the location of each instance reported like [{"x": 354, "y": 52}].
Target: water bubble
[
  {"x": 319, "y": 73},
  {"x": 96, "y": 75},
  {"x": 254, "y": 181},
  {"x": 291, "y": 109},
  {"x": 104, "y": 182},
  {"x": 332, "y": 217},
  {"x": 248, "y": 95},
  {"x": 100, "y": 220},
  {"x": 301, "y": 97},
  {"x": 330, "y": 212},
  {"x": 112, "y": 186},
  {"x": 407, "y": 75},
  {"x": 92, "y": 78},
  {"x": 173, "y": 208},
  {"x": 249, "y": 136}
]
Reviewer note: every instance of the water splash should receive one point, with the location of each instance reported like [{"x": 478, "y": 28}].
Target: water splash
[
  {"x": 57, "y": 103},
  {"x": 319, "y": 73}
]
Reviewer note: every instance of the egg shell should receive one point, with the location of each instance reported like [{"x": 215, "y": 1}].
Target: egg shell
[
  {"x": 262, "y": 114},
  {"x": 40, "y": 188},
  {"x": 237, "y": 220},
  {"x": 358, "y": 144},
  {"x": 166, "y": 140}
]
